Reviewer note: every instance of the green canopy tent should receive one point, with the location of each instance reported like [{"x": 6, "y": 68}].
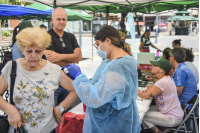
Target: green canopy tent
[
  {"x": 182, "y": 18},
  {"x": 120, "y": 6},
  {"x": 148, "y": 7},
  {"x": 71, "y": 15},
  {"x": 186, "y": 17}
]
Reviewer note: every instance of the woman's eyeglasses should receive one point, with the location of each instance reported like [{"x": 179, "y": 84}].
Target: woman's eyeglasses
[
  {"x": 95, "y": 44},
  {"x": 63, "y": 44}
]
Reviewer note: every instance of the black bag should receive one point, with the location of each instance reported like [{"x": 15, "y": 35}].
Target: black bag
[
  {"x": 4, "y": 124},
  {"x": 20, "y": 130}
]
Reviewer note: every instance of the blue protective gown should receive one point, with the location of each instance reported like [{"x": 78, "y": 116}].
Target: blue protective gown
[{"x": 110, "y": 97}]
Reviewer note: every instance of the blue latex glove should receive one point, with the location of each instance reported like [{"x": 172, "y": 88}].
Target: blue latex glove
[{"x": 74, "y": 70}]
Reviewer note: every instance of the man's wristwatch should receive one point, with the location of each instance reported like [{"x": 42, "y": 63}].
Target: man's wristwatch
[{"x": 62, "y": 109}]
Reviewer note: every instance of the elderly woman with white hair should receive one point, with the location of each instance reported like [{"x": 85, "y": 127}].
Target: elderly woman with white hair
[{"x": 34, "y": 87}]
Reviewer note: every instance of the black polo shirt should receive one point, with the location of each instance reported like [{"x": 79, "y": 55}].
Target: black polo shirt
[{"x": 68, "y": 39}]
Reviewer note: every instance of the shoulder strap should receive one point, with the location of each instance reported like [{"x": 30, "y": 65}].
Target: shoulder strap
[
  {"x": 12, "y": 77},
  {"x": 20, "y": 130}
]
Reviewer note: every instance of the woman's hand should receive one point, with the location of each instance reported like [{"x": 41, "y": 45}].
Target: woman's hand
[
  {"x": 14, "y": 118},
  {"x": 57, "y": 114},
  {"x": 140, "y": 92},
  {"x": 148, "y": 77}
]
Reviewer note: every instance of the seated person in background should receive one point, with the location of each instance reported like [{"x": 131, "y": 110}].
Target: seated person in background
[
  {"x": 176, "y": 43},
  {"x": 145, "y": 42},
  {"x": 166, "y": 53},
  {"x": 183, "y": 76},
  {"x": 188, "y": 61},
  {"x": 167, "y": 112},
  {"x": 16, "y": 52}
]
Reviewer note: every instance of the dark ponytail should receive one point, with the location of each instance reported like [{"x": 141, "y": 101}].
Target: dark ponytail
[
  {"x": 178, "y": 41},
  {"x": 14, "y": 35},
  {"x": 166, "y": 53}
]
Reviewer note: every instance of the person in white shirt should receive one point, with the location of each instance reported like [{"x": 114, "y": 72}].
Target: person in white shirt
[{"x": 188, "y": 61}]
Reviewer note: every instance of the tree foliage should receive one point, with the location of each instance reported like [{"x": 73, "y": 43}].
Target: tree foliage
[{"x": 14, "y": 2}]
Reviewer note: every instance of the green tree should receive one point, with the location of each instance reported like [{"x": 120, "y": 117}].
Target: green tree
[{"x": 14, "y": 2}]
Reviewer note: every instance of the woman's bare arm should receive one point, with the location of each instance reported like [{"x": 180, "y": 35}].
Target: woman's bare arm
[
  {"x": 66, "y": 83},
  {"x": 14, "y": 117},
  {"x": 141, "y": 45},
  {"x": 151, "y": 92}
]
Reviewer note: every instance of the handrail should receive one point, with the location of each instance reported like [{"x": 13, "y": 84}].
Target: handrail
[
  {"x": 1, "y": 31},
  {"x": 6, "y": 31}
]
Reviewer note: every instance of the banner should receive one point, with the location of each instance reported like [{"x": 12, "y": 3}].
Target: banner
[{"x": 131, "y": 25}]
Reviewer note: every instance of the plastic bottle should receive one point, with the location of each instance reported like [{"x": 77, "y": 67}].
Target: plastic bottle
[{"x": 157, "y": 54}]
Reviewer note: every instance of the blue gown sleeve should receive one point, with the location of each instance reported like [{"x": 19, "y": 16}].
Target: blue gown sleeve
[{"x": 109, "y": 86}]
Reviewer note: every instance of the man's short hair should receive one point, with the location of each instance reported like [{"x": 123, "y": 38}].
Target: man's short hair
[
  {"x": 58, "y": 8},
  {"x": 179, "y": 54}
]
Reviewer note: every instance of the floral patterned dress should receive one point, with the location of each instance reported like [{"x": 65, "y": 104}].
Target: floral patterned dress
[{"x": 34, "y": 95}]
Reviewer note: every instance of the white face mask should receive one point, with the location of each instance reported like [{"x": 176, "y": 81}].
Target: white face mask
[{"x": 102, "y": 54}]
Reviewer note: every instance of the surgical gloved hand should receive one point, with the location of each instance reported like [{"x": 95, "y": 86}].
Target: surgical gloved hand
[{"x": 74, "y": 70}]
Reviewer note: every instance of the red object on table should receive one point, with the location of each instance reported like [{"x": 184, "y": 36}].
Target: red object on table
[
  {"x": 84, "y": 107},
  {"x": 145, "y": 67},
  {"x": 145, "y": 50},
  {"x": 72, "y": 123}
]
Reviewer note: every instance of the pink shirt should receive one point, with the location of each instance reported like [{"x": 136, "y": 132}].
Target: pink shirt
[{"x": 167, "y": 101}]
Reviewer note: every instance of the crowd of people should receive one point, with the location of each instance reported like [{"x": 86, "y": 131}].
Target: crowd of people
[{"x": 43, "y": 92}]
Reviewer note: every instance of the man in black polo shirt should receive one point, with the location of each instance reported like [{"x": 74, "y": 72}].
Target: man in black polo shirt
[{"x": 64, "y": 48}]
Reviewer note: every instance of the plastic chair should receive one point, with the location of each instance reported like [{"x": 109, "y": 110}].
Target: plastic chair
[
  {"x": 187, "y": 123},
  {"x": 6, "y": 54}
]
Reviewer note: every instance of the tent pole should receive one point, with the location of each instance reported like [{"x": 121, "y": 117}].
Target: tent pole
[
  {"x": 80, "y": 34},
  {"x": 171, "y": 24},
  {"x": 92, "y": 34},
  {"x": 107, "y": 15},
  {"x": 157, "y": 27},
  {"x": 54, "y": 5}
]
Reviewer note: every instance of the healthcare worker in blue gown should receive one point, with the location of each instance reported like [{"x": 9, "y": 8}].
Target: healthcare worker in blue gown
[{"x": 111, "y": 95}]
